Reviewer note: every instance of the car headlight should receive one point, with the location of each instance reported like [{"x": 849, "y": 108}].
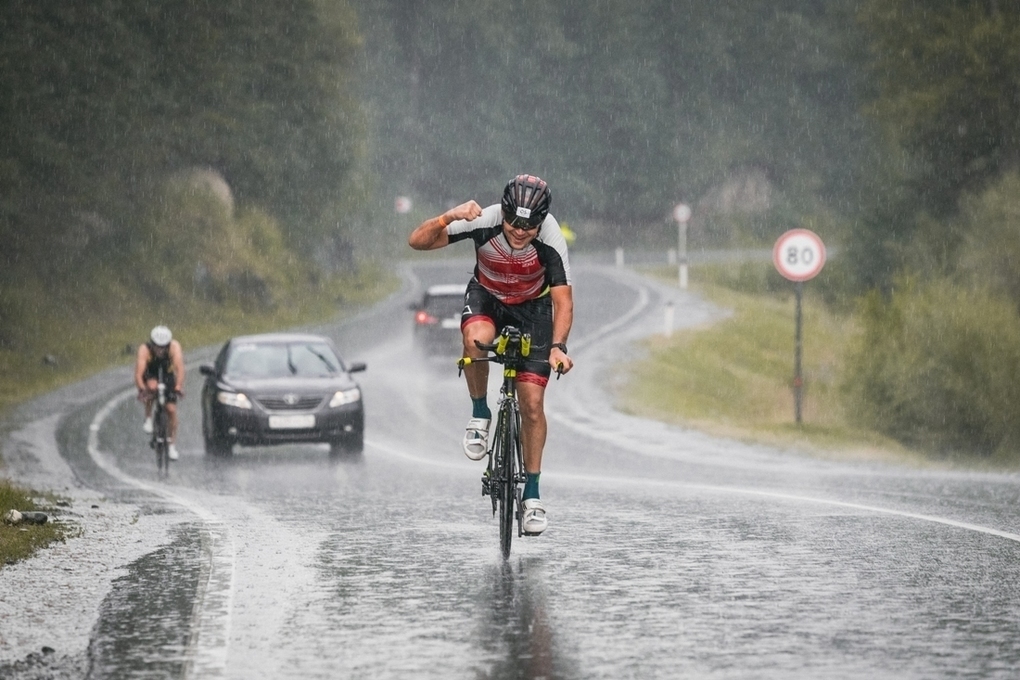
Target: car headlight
[
  {"x": 235, "y": 399},
  {"x": 345, "y": 397}
]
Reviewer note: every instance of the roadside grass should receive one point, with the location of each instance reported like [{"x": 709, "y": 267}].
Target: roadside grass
[
  {"x": 22, "y": 540},
  {"x": 734, "y": 378}
]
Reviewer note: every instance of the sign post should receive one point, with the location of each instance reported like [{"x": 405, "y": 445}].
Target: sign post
[
  {"x": 682, "y": 214},
  {"x": 798, "y": 255}
]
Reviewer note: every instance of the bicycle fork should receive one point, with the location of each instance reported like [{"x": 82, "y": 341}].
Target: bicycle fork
[{"x": 492, "y": 479}]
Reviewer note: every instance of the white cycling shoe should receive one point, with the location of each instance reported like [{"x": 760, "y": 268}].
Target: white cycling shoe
[
  {"x": 172, "y": 453},
  {"x": 147, "y": 426},
  {"x": 476, "y": 438},
  {"x": 535, "y": 521}
]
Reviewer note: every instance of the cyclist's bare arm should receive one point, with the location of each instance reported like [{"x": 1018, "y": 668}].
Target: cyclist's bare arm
[
  {"x": 431, "y": 234},
  {"x": 177, "y": 357},
  {"x": 141, "y": 361},
  {"x": 563, "y": 319}
]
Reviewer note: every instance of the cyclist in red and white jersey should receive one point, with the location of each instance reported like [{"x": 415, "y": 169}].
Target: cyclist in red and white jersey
[{"x": 522, "y": 278}]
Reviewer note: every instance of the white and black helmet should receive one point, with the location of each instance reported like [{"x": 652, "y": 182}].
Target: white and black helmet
[
  {"x": 526, "y": 198},
  {"x": 161, "y": 336}
]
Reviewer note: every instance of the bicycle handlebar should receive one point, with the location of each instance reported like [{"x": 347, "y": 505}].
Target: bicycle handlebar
[{"x": 510, "y": 338}]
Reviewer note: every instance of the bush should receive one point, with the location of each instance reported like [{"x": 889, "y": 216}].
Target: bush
[
  {"x": 192, "y": 245},
  {"x": 991, "y": 249},
  {"x": 934, "y": 365}
]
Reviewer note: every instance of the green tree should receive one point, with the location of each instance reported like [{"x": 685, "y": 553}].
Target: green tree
[
  {"x": 947, "y": 90},
  {"x": 102, "y": 101},
  {"x": 943, "y": 86}
]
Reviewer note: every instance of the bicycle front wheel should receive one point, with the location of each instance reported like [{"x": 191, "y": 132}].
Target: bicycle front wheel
[
  {"x": 509, "y": 444},
  {"x": 160, "y": 429}
]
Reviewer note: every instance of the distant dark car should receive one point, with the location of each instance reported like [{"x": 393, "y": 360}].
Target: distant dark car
[
  {"x": 437, "y": 319},
  {"x": 281, "y": 388}
]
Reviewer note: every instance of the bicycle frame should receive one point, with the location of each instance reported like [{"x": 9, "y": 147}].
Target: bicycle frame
[
  {"x": 160, "y": 427},
  {"x": 505, "y": 470}
]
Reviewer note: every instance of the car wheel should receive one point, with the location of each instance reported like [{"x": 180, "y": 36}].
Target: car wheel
[
  {"x": 214, "y": 446},
  {"x": 351, "y": 445}
]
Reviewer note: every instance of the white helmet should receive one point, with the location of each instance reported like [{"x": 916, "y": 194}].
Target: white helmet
[{"x": 161, "y": 336}]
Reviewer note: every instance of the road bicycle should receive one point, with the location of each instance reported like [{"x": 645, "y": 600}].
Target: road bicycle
[
  {"x": 505, "y": 470},
  {"x": 160, "y": 441}
]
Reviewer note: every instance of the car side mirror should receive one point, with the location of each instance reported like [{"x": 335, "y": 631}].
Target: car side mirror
[
  {"x": 357, "y": 367},
  {"x": 207, "y": 369}
]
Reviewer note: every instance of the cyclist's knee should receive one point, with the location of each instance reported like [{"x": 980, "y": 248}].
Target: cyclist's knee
[
  {"x": 532, "y": 401},
  {"x": 480, "y": 330}
]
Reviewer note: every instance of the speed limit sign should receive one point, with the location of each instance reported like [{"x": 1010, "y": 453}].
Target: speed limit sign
[{"x": 799, "y": 254}]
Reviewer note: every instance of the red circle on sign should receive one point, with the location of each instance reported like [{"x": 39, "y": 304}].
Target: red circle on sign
[{"x": 799, "y": 254}]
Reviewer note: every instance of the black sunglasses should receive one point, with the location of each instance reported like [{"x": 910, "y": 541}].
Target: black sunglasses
[{"x": 518, "y": 222}]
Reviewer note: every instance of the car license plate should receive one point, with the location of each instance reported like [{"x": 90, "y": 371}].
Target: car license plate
[
  {"x": 298, "y": 422},
  {"x": 450, "y": 323}
]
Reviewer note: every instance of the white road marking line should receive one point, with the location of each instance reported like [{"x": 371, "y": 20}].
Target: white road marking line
[
  {"x": 212, "y": 618},
  {"x": 640, "y": 481}
]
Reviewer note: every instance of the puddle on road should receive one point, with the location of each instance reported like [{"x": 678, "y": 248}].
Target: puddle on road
[
  {"x": 145, "y": 623},
  {"x": 517, "y": 631}
]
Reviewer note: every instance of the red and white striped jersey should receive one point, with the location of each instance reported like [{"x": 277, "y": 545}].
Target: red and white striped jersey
[{"x": 514, "y": 276}]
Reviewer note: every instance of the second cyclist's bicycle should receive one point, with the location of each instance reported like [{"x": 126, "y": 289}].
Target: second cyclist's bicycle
[
  {"x": 160, "y": 441},
  {"x": 505, "y": 471}
]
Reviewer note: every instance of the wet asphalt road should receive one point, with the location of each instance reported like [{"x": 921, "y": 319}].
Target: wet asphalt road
[{"x": 669, "y": 554}]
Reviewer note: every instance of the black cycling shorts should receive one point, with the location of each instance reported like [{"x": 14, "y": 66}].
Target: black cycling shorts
[{"x": 531, "y": 316}]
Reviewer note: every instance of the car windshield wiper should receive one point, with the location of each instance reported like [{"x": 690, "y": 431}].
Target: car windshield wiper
[
  {"x": 290, "y": 363},
  {"x": 323, "y": 359}
]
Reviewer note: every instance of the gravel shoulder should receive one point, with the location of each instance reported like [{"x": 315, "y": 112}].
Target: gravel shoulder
[{"x": 50, "y": 603}]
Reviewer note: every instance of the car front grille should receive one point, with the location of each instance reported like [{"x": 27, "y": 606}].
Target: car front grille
[{"x": 290, "y": 402}]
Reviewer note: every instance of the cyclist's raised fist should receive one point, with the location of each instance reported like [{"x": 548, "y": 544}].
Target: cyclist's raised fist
[{"x": 465, "y": 211}]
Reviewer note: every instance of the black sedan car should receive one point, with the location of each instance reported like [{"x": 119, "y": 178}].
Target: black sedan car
[
  {"x": 281, "y": 388},
  {"x": 437, "y": 319}
]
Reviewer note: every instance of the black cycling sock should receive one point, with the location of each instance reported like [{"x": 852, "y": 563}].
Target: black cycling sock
[
  {"x": 530, "y": 486},
  {"x": 480, "y": 408}
]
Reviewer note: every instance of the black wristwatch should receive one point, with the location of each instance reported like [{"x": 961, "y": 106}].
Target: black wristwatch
[{"x": 562, "y": 347}]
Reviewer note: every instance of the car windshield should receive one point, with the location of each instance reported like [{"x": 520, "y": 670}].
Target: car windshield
[
  {"x": 283, "y": 360},
  {"x": 443, "y": 306}
]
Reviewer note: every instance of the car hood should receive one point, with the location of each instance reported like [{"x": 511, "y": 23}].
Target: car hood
[{"x": 285, "y": 385}]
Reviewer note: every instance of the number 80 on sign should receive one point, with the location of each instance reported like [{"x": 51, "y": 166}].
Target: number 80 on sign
[{"x": 799, "y": 254}]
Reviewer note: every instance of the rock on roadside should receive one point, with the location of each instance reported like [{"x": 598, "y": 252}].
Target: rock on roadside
[{"x": 13, "y": 516}]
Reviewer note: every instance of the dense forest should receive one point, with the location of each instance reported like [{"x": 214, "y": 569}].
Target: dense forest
[{"x": 178, "y": 147}]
